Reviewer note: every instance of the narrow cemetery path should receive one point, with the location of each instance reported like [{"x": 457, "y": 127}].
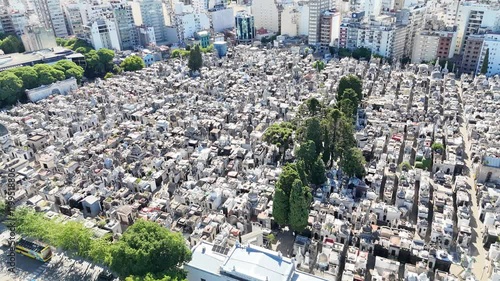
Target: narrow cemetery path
[{"x": 476, "y": 250}]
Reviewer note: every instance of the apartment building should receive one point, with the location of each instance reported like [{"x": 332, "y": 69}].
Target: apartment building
[
  {"x": 382, "y": 35},
  {"x": 430, "y": 45},
  {"x": 474, "y": 18},
  {"x": 125, "y": 25},
  {"x": 51, "y": 16},
  {"x": 316, "y": 8},
  {"x": 470, "y": 56},
  {"x": 73, "y": 15},
  {"x": 150, "y": 13},
  {"x": 103, "y": 33},
  {"x": 266, "y": 14},
  {"x": 491, "y": 44},
  {"x": 330, "y": 29}
]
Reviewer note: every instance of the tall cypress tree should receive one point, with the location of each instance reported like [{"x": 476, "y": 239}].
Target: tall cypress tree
[
  {"x": 195, "y": 60},
  {"x": 300, "y": 199},
  {"x": 484, "y": 67}
]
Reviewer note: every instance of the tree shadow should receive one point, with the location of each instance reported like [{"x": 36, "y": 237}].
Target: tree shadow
[{"x": 285, "y": 243}]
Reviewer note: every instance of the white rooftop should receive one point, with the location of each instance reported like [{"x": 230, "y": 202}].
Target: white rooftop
[{"x": 247, "y": 262}]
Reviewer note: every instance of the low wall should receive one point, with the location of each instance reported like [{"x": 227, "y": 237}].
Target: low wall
[{"x": 59, "y": 87}]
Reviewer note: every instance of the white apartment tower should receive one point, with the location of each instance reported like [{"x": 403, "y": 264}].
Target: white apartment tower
[
  {"x": 102, "y": 33},
  {"x": 51, "y": 16},
  {"x": 316, "y": 8},
  {"x": 492, "y": 44},
  {"x": 266, "y": 14},
  {"x": 151, "y": 14}
]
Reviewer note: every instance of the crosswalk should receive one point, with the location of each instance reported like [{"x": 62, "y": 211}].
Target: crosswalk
[{"x": 39, "y": 271}]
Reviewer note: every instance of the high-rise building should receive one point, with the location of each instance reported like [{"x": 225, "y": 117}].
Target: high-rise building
[
  {"x": 472, "y": 49},
  {"x": 491, "y": 44},
  {"x": 12, "y": 21},
  {"x": 245, "y": 27},
  {"x": 266, "y": 14},
  {"x": 330, "y": 28},
  {"x": 51, "y": 16},
  {"x": 316, "y": 8},
  {"x": 384, "y": 36},
  {"x": 102, "y": 33},
  {"x": 73, "y": 15},
  {"x": 125, "y": 24},
  {"x": 414, "y": 18},
  {"x": 430, "y": 45},
  {"x": 222, "y": 18},
  {"x": 151, "y": 14},
  {"x": 473, "y": 18},
  {"x": 295, "y": 19},
  {"x": 38, "y": 38}
]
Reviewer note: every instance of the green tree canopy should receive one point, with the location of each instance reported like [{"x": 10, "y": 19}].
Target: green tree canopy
[
  {"x": 437, "y": 146},
  {"x": 318, "y": 172},
  {"x": 484, "y": 66},
  {"x": 353, "y": 162},
  {"x": 146, "y": 250},
  {"x": 362, "y": 53},
  {"x": 300, "y": 199},
  {"x": 11, "y": 44},
  {"x": 281, "y": 206},
  {"x": 28, "y": 75},
  {"x": 95, "y": 67},
  {"x": 70, "y": 69},
  {"x": 195, "y": 59},
  {"x": 106, "y": 57},
  {"x": 344, "y": 52},
  {"x": 313, "y": 132},
  {"x": 10, "y": 88},
  {"x": 350, "y": 82},
  {"x": 151, "y": 277},
  {"x": 48, "y": 74},
  {"x": 283, "y": 187},
  {"x": 349, "y": 94},
  {"x": 307, "y": 152},
  {"x": 146, "y": 247},
  {"x": 133, "y": 63},
  {"x": 313, "y": 105},
  {"x": 319, "y": 65},
  {"x": 347, "y": 107},
  {"x": 279, "y": 134},
  {"x": 75, "y": 44}
]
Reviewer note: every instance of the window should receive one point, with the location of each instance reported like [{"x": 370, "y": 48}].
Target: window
[{"x": 203, "y": 279}]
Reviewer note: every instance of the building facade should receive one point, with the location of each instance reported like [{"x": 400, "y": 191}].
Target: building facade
[
  {"x": 102, "y": 33},
  {"x": 245, "y": 27},
  {"x": 38, "y": 38},
  {"x": 51, "y": 16},
  {"x": 125, "y": 24},
  {"x": 470, "y": 56},
  {"x": 330, "y": 29},
  {"x": 151, "y": 12},
  {"x": 474, "y": 18},
  {"x": 74, "y": 19},
  {"x": 430, "y": 45},
  {"x": 316, "y": 8},
  {"x": 266, "y": 14},
  {"x": 491, "y": 44}
]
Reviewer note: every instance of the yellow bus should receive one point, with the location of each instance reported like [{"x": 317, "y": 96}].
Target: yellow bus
[{"x": 34, "y": 250}]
